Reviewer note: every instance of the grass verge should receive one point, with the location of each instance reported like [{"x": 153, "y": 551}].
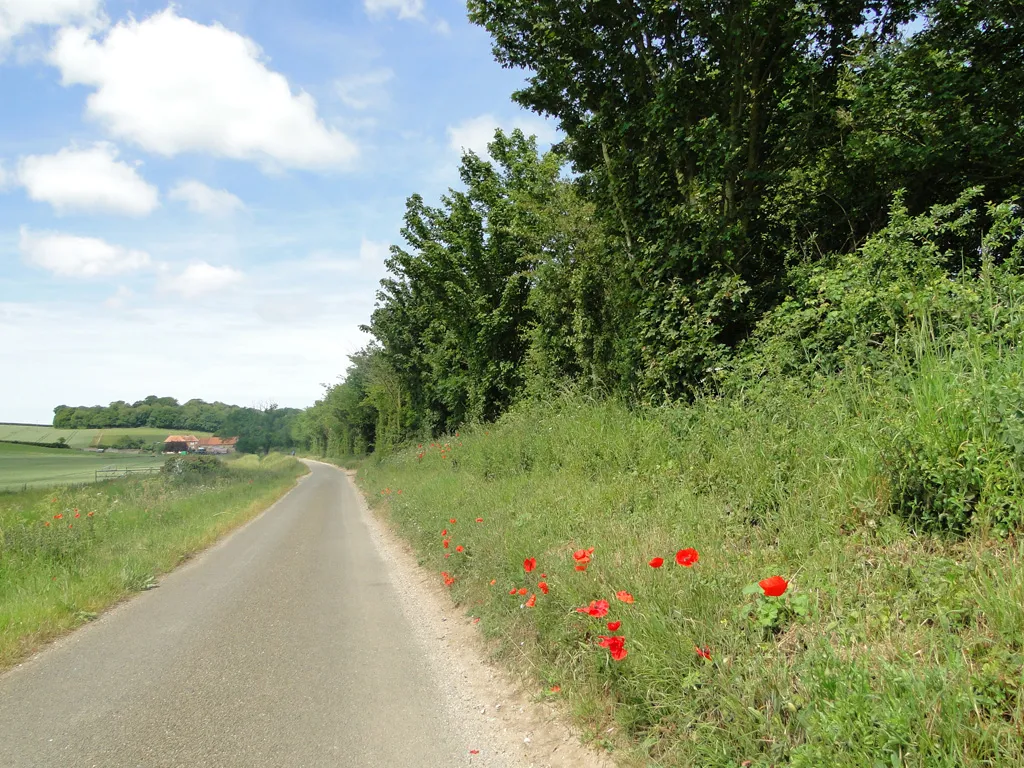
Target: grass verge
[
  {"x": 66, "y": 554},
  {"x": 890, "y": 647}
]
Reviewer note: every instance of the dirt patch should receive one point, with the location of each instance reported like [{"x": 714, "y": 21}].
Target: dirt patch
[{"x": 487, "y": 708}]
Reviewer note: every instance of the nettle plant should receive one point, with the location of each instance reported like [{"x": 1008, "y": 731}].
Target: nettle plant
[{"x": 774, "y": 610}]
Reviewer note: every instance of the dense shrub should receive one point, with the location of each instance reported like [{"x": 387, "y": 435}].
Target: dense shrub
[{"x": 193, "y": 467}]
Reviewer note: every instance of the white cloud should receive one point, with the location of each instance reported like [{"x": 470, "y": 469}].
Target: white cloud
[
  {"x": 172, "y": 85},
  {"x": 406, "y": 9},
  {"x": 16, "y": 16},
  {"x": 373, "y": 253},
  {"x": 73, "y": 256},
  {"x": 365, "y": 90},
  {"x": 203, "y": 199},
  {"x": 91, "y": 180},
  {"x": 5, "y": 178},
  {"x": 475, "y": 133},
  {"x": 120, "y": 297},
  {"x": 202, "y": 278}
]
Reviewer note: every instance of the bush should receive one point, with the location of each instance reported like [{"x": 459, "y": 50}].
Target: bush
[
  {"x": 193, "y": 467},
  {"x": 127, "y": 442}
]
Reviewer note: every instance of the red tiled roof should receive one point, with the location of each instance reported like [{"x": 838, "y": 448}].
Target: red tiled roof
[
  {"x": 180, "y": 439},
  {"x": 211, "y": 441}
]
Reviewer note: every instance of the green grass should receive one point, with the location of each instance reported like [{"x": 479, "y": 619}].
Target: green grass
[
  {"x": 87, "y": 438},
  {"x": 29, "y": 466},
  {"x": 61, "y": 565},
  {"x": 891, "y": 648}
]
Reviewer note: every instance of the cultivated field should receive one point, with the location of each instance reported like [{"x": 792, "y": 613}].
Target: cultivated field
[
  {"x": 86, "y": 438},
  {"x": 26, "y": 466}
]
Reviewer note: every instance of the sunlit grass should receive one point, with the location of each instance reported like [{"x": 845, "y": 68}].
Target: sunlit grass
[
  {"x": 913, "y": 651},
  {"x": 68, "y": 553}
]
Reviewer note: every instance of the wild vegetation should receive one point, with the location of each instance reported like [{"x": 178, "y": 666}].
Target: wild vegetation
[
  {"x": 68, "y": 553},
  {"x": 764, "y": 302}
]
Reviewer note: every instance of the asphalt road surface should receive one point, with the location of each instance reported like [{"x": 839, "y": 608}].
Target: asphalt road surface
[{"x": 283, "y": 646}]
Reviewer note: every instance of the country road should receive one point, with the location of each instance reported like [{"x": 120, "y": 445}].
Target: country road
[{"x": 285, "y": 645}]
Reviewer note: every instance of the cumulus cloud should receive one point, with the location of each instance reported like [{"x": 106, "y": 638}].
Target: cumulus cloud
[
  {"x": 120, "y": 297},
  {"x": 16, "y": 16},
  {"x": 172, "y": 85},
  {"x": 91, "y": 180},
  {"x": 201, "y": 278},
  {"x": 74, "y": 256},
  {"x": 405, "y": 9},
  {"x": 366, "y": 90},
  {"x": 372, "y": 253},
  {"x": 203, "y": 199},
  {"x": 475, "y": 133}
]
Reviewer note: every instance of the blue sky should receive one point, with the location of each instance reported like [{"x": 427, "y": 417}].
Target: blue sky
[{"x": 196, "y": 199}]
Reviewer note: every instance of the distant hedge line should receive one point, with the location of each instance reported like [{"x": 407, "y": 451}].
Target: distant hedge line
[{"x": 41, "y": 445}]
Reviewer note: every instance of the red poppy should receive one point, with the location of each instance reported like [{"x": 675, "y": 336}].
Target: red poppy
[
  {"x": 58, "y": 516},
  {"x": 512, "y": 591},
  {"x": 529, "y": 564},
  {"x": 532, "y": 601},
  {"x": 583, "y": 555},
  {"x": 543, "y": 575},
  {"x": 70, "y": 525},
  {"x": 687, "y": 557},
  {"x": 399, "y": 491},
  {"x": 493, "y": 581},
  {"x": 542, "y": 586},
  {"x": 445, "y": 543},
  {"x": 624, "y": 596},
  {"x": 613, "y": 626},
  {"x": 78, "y": 515},
  {"x": 616, "y": 645},
  {"x": 90, "y": 514},
  {"x": 448, "y": 579},
  {"x": 522, "y": 590},
  {"x": 452, "y": 521},
  {"x": 479, "y": 519},
  {"x": 444, "y": 532},
  {"x": 474, "y": 751},
  {"x": 476, "y": 620},
  {"x": 459, "y": 548},
  {"x": 656, "y": 562},
  {"x": 54, "y": 499},
  {"x": 581, "y": 567},
  {"x": 46, "y": 524},
  {"x": 704, "y": 653},
  {"x": 774, "y": 586},
  {"x": 556, "y": 689},
  {"x": 447, "y": 555},
  {"x": 597, "y": 608}
]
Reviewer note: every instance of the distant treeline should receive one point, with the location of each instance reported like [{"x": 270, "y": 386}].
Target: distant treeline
[
  {"x": 153, "y": 411},
  {"x": 258, "y": 429}
]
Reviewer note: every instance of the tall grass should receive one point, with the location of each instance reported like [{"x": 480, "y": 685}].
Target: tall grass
[
  {"x": 911, "y": 649},
  {"x": 68, "y": 553}
]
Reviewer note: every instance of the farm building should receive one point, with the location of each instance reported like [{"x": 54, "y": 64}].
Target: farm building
[
  {"x": 178, "y": 443},
  {"x": 217, "y": 444}
]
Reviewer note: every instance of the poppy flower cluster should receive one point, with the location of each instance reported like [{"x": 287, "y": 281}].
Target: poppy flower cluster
[
  {"x": 529, "y": 566},
  {"x": 582, "y": 558},
  {"x": 685, "y": 557},
  {"x": 616, "y": 645},
  {"x": 597, "y": 608},
  {"x": 448, "y": 578}
]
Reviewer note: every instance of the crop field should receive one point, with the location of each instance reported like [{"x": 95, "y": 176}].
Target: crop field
[
  {"x": 85, "y": 438},
  {"x": 26, "y": 466}
]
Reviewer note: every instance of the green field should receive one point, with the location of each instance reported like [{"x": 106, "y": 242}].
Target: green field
[
  {"x": 24, "y": 466},
  {"x": 86, "y": 438}
]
